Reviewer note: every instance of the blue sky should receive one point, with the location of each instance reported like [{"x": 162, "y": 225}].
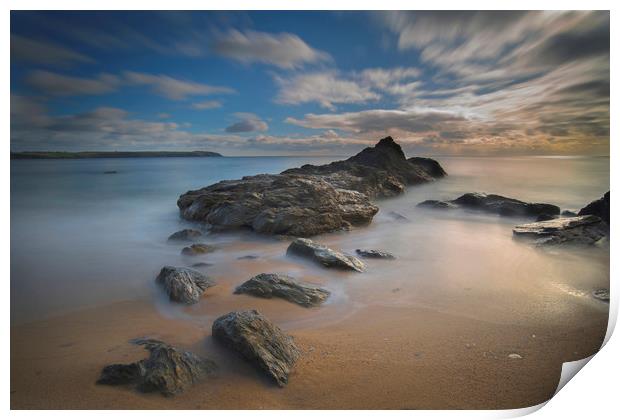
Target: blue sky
[{"x": 282, "y": 83}]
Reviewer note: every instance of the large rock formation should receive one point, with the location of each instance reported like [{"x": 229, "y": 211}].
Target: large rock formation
[
  {"x": 598, "y": 208},
  {"x": 285, "y": 287},
  {"x": 325, "y": 256},
  {"x": 580, "y": 230},
  {"x": 167, "y": 369},
  {"x": 312, "y": 199},
  {"x": 496, "y": 204},
  {"x": 182, "y": 284},
  {"x": 259, "y": 341}
]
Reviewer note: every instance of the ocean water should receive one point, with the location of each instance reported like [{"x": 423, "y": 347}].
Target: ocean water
[{"x": 80, "y": 238}]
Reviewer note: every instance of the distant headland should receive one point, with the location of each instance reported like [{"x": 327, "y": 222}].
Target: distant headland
[{"x": 91, "y": 155}]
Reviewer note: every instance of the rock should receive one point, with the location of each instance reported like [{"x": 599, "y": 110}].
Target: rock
[
  {"x": 202, "y": 264},
  {"x": 248, "y": 257},
  {"x": 601, "y": 294},
  {"x": 585, "y": 230},
  {"x": 496, "y": 204},
  {"x": 598, "y": 208},
  {"x": 197, "y": 249},
  {"x": 374, "y": 253},
  {"x": 185, "y": 235},
  {"x": 568, "y": 213},
  {"x": 324, "y": 255},
  {"x": 431, "y": 166},
  {"x": 259, "y": 341},
  {"x": 437, "y": 204},
  {"x": 110, "y": 172},
  {"x": 399, "y": 217},
  {"x": 167, "y": 369},
  {"x": 285, "y": 287},
  {"x": 544, "y": 217},
  {"x": 309, "y": 200},
  {"x": 515, "y": 356},
  {"x": 182, "y": 284}
]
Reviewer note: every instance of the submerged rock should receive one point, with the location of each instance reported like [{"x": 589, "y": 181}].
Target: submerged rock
[
  {"x": 585, "y": 230},
  {"x": 601, "y": 294},
  {"x": 544, "y": 217},
  {"x": 202, "y": 264},
  {"x": 311, "y": 199},
  {"x": 185, "y": 235},
  {"x": 374, "y": 253},
  {"x": 568, "y": 213},
  {"x": 285, "y": 287},
  {"x": 398, "y": 217},
  {"x": 182, "y": 284},
  {"x": 259, "y": 341},
  {"x": 248, "y": 257},
  {"x": 598, "y": 208},
  {"x": 197, "y": 249},
  {"x": 496, "y": 204},
  {"x": 167, "y": 369},
  {"x": 324, "y": 255}
]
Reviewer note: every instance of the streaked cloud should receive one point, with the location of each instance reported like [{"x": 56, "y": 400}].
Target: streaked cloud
[
  {"x": 282, "y": 50},
  {"x": 207, "y": 105},
  {"x": 171, "y": 88},
  {"x": 59, "y": 85},
  {"x": 45, "y": 53}
]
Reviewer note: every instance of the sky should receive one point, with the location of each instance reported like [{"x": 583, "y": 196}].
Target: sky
[{"x": 311, "y": 83}]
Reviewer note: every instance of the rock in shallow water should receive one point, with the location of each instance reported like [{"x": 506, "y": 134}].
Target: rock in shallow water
[
  {"x": 185, "y": 235},
  {"x": 182, "y": 284},
  {"x": 601, "y": 294},
  {"x": 496, "y": 204},
  {"x": 309, "y": 200},
  {"x": 197, "y": 249},
  {"x": 598, "y": 208},
  {"x": 323, "y": 255},
  {"x": 259, "y": 341},
  {"x": 285, "y": 287},
  {"x": 375, "y": 253},
  {"x": 583, "y": 230},
  {"x": 167, "y": 369}
]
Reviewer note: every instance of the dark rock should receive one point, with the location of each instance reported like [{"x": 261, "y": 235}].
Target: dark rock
[
  {"x": 167, "y": 369},
  {"x": 568, "y": 213},
  {"x": 398, "y": 217},
  {"x": 285, "y": 287},
  {"x": 598, "y": 208},
  {"x": 431, "y": 166},
  {"x": 584, "y": 230},
  {"x": 185, "y": 235},
  {"x": 544, "y": 217},
  {"x": 197, "y": 249},
  {"x": 202, "y": 264},
  {"x": 309, "y": 200},
  {"x": 437, "y": 204},
  {"x": 601, "y": 294},
  {"x": 496, "y": 204},
  {"x": 248, "y": 257},
  {"x": 182, "y": 284},
  {"x": 259, "y": 341},
  {"x": 110, "y": 172},
  {"x": 324, "y": 255},
  {"x": 374, "y": 253}
]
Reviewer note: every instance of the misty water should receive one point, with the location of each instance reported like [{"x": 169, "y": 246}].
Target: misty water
[{"x": 80, "y": 237}]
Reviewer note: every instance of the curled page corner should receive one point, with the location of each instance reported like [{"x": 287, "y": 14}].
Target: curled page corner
[{"x": 570, "y": 369}]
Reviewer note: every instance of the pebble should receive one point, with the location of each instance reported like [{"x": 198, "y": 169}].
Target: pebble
[{"x": 515, "y": 356}]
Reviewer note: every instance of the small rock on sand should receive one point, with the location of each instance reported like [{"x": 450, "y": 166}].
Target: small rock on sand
[
  {"x": 515, "y": 356},
  {"x": 601, "y": 294},
  {"x": 182, "y": 284},
  {"x": 375, "y": 253},
  {"x": 283, "y": 286},
  {"x": 325, "y": 256},
  {"x": 185, "y": 235},
  {"x": 197, "y": 249}
]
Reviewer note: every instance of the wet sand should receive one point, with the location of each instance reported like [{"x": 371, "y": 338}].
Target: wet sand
[{"x": 375, "y": 357}]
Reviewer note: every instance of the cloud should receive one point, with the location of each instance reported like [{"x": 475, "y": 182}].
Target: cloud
[
  {"x": 46, "y": 53},
  {"x": 206, "y": 105},
  {"x": 282, "y": 50},
  {"x": 324, "y": 88},
  {"x": 171, "y": 88},
  {"x": 59, "y": 85},
  {"x": 247, "y": 123}
]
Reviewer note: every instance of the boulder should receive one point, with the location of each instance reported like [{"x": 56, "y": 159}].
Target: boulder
[
  {"x": 568, "y": 213},
  {"x": 431, "y": 166},
  {"x": 323, "y": 255},
  {"x": 259, "y": 341},
  {"x": 167, "y": 370},
  {"x": 182, "y": 284},
  {"x": 584, "y": 230},
  {"x": 374, "y": 253},
  {"x": 185, "y": 235},
  {"x": 601, "y": 294},
  {"x": 544, "y": 217},
  {"x": 285, "y": 287},
  {"x": 496, "y": 204},
  {"x": 197, "y": 249},
  {"x": 598, "y": 208},
  {"x": 311, "y": 199}
]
